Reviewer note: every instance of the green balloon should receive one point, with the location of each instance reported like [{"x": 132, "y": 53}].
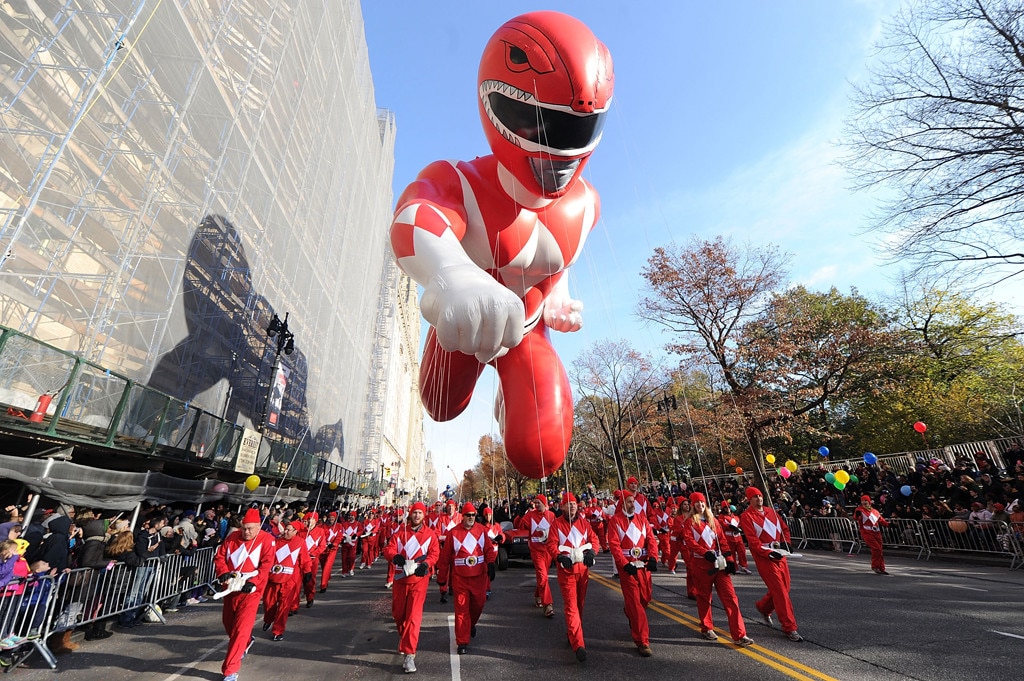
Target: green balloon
[
  {"x": 854, "y": 478},
  {"x": 839, "y": 485},
  {"x": 830, "y": 478}
]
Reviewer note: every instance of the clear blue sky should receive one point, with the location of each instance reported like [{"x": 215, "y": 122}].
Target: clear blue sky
[{"x": 724, "y": 121}]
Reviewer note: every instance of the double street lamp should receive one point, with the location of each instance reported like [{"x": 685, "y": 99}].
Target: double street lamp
[{"x": 284, "y": 341}]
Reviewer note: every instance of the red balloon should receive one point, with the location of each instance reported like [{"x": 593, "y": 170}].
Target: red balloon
[
  {"x": 920, "y": 427},
  {"x": 490, "y": 240}
]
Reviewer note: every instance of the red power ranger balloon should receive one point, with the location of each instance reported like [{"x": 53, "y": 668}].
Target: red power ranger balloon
[{"x": 490, "y": 239}]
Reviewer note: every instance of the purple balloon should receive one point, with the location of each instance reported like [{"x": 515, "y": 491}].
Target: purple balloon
[{"x": 221, "y": 488}]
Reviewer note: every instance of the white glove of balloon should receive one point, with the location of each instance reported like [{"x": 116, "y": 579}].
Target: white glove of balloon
[
  {"x": 563, "y": 314},
  {"x": 472, "y": 313}
]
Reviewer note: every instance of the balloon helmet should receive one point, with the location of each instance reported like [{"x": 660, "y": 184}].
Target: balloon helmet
[{"x": 545, "y": 84}]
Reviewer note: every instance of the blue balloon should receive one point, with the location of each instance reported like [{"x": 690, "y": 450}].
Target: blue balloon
[
  {"x": 870, "y": 459},
  {"x": 905, "y": 490},
  {"x": 823, "y": 450}
]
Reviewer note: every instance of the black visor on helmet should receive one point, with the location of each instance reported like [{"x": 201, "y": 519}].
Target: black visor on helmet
[{"x": 546, "y": 127}]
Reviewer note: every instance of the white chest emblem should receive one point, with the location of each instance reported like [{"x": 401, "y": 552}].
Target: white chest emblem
[
  {"x": 284, "y": 552},
  {"x": 242, "y": 554}
]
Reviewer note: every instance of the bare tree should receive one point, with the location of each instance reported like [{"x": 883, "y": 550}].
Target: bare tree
[
  {"x": 615, "y": 412},
  {"x": 940, "y": 125}
]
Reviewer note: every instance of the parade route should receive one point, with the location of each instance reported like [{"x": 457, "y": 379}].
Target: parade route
[{"x": 929, "y": 621}]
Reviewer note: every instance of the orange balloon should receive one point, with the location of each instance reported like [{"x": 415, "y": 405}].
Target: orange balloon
[
  {"x": 739, "y": 471},
  {"x": 732, "y": 462}
]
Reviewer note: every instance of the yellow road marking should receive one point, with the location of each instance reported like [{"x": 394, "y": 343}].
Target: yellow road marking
[{"x": 770, "y": 658}]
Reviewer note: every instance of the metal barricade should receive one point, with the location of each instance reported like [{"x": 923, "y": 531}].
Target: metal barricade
[
  {"x": 26, "y": 610},
  {"x": 994, "y": 538},
  {"x": 830, "y": 532},
  {"x": 177, "y": 575},
  {"x": 903, "y": 533},
  {"x": 797, "y": 531}
]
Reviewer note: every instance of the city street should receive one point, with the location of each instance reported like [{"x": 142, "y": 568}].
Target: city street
[{"x": 928, "y": 621}]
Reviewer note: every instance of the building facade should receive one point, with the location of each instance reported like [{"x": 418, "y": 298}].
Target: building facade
[{"x": 173, "y": 175}]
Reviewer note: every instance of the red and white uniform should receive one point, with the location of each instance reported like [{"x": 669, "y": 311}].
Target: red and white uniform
[
  {"x": 730, "y": 523},
  {"x": 332, "y": 540},
  {"x": 291, "y": 562},
  {"x": 765, "y": 530},
  {"x": 870, "y": 523},
  {"x": 409, "y": 592},
  {"x": 239, "y": 614},
  {"x": 350, "y": 531},
  {"x": 316, "y": 543},
  {"x": 463, "y": 567},
  {"x": 572, "y": 539},
  {"x": 371, "y": 528},
  {"x": 660, "y": 519},
  {"x": 701, "y": 537},
  {"x": 632, "y": 541},
  {"x": 538, "y": 524},
  {"x": 597, "y": 525}
]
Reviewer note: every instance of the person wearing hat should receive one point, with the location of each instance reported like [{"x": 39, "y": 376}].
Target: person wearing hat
[
  {"x": 485, "y": 516},
  {"x": 350, "y": 531},
  {"x": 292, "y": 566},
  {"x": 368, "y": 539},
  {"x": 246, "y": 550},
  {"x": 332, "y": 537},
  {"x": 537, "y": 522},
  {"x": 447, "y": 521},
  {"x": 389, "y": 526},
  {"x": 870, "y": 523},
  {"x": 415, "y": 552},
  {"x": 730, "y": 523},
  {"x": 635, "y": 552},
  {"x": 708, "y": 552},
  {"x": 595, "y": 516},
  {"x": 571, "y": 540},
  {"x": 316, "y": 543},
  {"x": 466, "y": 566},
  {"x": 766, "y": 531},
  {"x": 660, "y": 522}
]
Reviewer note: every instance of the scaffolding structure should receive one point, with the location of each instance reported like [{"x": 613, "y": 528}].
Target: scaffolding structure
[{"x": 174, "y": 173}]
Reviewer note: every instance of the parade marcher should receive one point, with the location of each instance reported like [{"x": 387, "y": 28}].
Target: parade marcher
[
  {"x": 350, "y": 531},
  {"x": 765, "y": 531},
  {"x": 706, "y": 543},
  {"x": 316, "y": 544},
  {"x": 449, "y": 520},
  {"x": 595, "y": 516},
  {"x": 635, "y": 552},
  {"x": 537, "y": 522},
  {"x": 467, "y": 566},
  {"x": 246, "y": 551},
  {"x": 870, "y": 523},
  {"x": 292, "y": 567},
  {"x": 388, "y": 530},
  {"x": 368, "y": 537},
  {"x": 332, "y": 537},
  {"x": 494, "y": 532},
  {"x": 660, "y": 521},
  {"x": 675, "y": 538},
  {"x": 571, "y": 540},
  {"x": 414, "y": 551},
  {"x": 730, "y": 523}
]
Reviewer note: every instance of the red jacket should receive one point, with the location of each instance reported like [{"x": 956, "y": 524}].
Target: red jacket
[
  {"x": 466, "y": 553},
  {"x": 631, "y": 539}
]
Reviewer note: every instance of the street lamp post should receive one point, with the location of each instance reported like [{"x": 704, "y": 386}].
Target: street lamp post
[
  {"x": 667, "y": 404},
  {"x": 284, "y": 341}
]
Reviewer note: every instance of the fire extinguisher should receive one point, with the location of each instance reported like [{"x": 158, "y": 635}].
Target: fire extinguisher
[{"x": 41, "y": 406}]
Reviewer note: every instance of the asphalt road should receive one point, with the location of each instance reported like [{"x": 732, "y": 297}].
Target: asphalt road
[{"x": 938, "y": 621}]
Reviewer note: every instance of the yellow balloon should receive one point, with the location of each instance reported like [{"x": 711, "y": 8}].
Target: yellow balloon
[
  {"x": 843, "y": 477},
  {"x": 252, "y": 482},
  {"x": 770, "y": 458},
  {"x": 792, "y": 466},
  {"x": 333, "y": 485}
]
